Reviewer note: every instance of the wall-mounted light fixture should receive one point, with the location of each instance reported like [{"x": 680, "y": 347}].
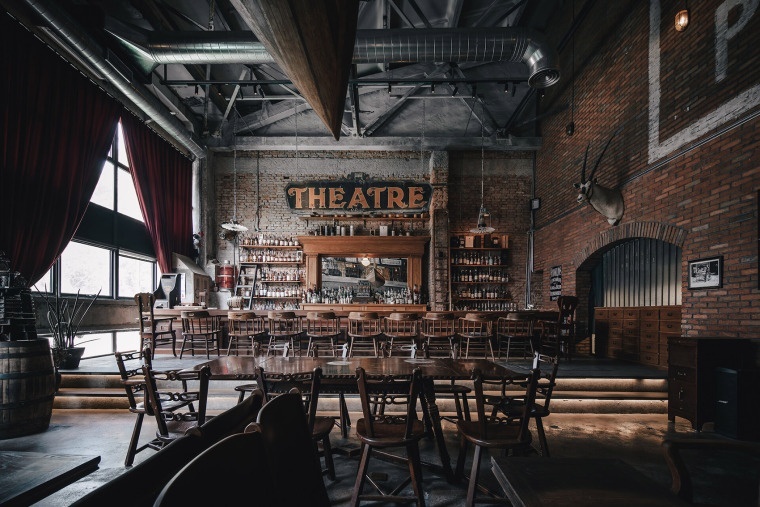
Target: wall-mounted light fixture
[{"x": 682, "y": 18}]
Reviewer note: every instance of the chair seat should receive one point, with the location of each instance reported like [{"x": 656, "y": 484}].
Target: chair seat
[
  {"x": 452, "y": 389},
  {"x": 498, "y": 435},
  {"x": 389, "y": 435},
  {"x": 323, "y": 425}
]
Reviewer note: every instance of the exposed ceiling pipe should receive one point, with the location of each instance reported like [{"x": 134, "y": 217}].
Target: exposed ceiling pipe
[
  {"x": 372, "y": 46},
  {"x": 148, "y": 103}
]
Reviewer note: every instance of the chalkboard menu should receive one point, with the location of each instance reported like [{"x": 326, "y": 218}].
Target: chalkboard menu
[{"x": 555, "y": 283}]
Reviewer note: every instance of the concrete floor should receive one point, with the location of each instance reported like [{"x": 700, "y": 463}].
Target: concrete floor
[{"x": 635, "y": 438}]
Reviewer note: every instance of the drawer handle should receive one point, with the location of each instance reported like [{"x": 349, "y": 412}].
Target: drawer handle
[
  {"x": 680, "y": 395},
  {"x": 680, "y": 374},
  {"x": 725, "y": 402}
]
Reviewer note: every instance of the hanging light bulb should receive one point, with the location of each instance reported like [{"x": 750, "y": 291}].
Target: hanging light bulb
[
  {"x": 482, "y": 227},
  {"x": 682, "y": 18},
  {"x": 233, "y": 224}
]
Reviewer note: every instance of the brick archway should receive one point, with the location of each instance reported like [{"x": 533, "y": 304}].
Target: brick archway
[
  {"x": 588, "y": 257},
  {"x": 593, "y": 251}
]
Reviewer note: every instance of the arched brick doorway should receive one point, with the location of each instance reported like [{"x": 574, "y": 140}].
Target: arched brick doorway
[{"x": 586, "y": 259}]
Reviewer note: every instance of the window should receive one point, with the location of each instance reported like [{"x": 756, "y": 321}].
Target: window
[
  {"x": 135, "y": 275},
  {"x": 86, "y": 269},
  {"x": 115, "y": 189}
]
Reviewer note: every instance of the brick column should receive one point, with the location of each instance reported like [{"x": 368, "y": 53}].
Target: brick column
[{"x": 438, "y": 268}]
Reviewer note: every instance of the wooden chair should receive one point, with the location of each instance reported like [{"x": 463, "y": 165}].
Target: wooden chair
[
  {"x": 290, "y": 453},
  {"x": 306, "y": 383},
  {"x": 174, "y": 386},
  {"x": 514, "y": 332},
  {"x": 132, "y": 379},
  {"x": 513, "y": 406},
  {"x": 401, "y": 330},
  {"x": 323, "y": 329},
  {"x": 438, "y": 331},
  {"x": 365, "y": 331},
  {"x": 476, "y": 332},
  {"x": 245, "y": 326},
  {"x": 510, "y": 434},
  {"x": 558, "y": 338},
  {"x": 200, "y": 328},
  {"x": 676, "y": 447},
  {"x": 154, "y": 331},
  {"x": 141, "y": 484},
  {"x": 241, "y": 453},
  {"x": 284, "y": 330},
  {"x": 388, "y": 429}
]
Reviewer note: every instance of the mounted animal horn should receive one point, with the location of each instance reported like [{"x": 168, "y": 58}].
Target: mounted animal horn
[{"x": 608, "y": 202}]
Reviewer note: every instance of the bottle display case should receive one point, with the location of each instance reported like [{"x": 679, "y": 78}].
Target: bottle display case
[
  {"x": 271, "y": 275},
  {"x": 479, "y": 276}
]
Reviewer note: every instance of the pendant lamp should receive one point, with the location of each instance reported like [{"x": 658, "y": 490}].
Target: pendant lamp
[{"x": 482, "y": 227}]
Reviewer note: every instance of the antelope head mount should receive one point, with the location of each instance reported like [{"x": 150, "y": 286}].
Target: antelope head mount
[{"x": 607, "y": 201}]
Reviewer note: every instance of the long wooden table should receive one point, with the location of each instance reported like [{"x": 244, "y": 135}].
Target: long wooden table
[
  {"x": 339, "y": 375},
  {"x": 27, "y": 477}
]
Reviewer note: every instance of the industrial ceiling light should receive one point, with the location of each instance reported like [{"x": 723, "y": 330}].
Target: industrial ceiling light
[
  {"x": 233, "y": 224},
  {"x": 482, "y": 227},
  {"x": 454, "y": 90},
  {"x": 506, "y": 87},
  {"x": 389, "y": 89},
  {"x": 432, "y": 87},
  {"x": 365, "y": 261},
  {"x": 682, "y": 18}
]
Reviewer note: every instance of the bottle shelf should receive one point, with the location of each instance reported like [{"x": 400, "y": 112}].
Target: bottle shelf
[
  {"x": 280, "y": 263},
  {"x": 479, "y": 283},
  {"x": 479, "y": 266},
  {"x": 280, "y": 281},
  {"x": 454, "y": 298},
  {"x": 272, "y": 297},
  {"x": 271, "y": 247},
  {"x": 469, "y": 249}
]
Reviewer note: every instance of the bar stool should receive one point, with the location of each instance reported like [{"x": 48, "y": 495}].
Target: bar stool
[
  {"x": 401, "y": 329},
  {"x": 514, "y": 330},
  {"x": 284, "y": 330},
  {"x": 245, "y": 326},
  {"x": 365, "y": 331},
  {"x": 476, "y": 331},
  {"x": 200, "y": 328},
  {"x": 439, "y": 334},
  {"x": 438, "y": 331},
  {"x": 323, "y": 329}
]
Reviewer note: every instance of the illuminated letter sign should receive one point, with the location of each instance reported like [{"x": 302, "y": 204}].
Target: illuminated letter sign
[{"x": 359, "y": 196}]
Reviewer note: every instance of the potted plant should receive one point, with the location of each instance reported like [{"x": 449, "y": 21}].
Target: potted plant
[{"x": 64, "y": 317}]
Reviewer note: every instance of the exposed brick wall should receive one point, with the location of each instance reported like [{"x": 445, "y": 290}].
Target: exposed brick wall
[{"x": 697, "y": 176}]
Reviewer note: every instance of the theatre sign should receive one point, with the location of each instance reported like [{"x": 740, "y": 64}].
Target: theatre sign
[{"x": 358, "y": 196}]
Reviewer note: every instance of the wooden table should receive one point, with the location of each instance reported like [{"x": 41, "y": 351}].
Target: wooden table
[
  {"x": 339, "y": 375},
  {"x": 27, "y": 477},
  {"x": 578, "y": 482}
]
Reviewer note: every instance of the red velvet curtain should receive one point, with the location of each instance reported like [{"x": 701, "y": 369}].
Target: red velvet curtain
[
  {"x": 55, "y": 131},
  {"x": 163, "y": 179}
]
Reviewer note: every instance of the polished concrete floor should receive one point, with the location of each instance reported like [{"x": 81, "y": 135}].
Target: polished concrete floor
[{"x": 729, "y": 480}]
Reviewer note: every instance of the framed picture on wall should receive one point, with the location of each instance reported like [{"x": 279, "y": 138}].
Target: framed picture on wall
[{"x": 706, "y": 273}]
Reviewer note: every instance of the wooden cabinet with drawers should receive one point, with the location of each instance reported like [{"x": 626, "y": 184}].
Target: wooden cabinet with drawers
[
  {"x": 692, "y": 369},
  {"x": 636, "y": 333}
]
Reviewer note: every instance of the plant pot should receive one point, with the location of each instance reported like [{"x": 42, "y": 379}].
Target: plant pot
[{"x": 68, "y": 359}]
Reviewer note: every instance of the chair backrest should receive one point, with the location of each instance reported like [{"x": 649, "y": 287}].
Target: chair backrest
[
  {"x": 548, "y": 365},
  {"x": 290, "y": 452},
  {"x": 245, "y": 323},
  {"x": 487, "y": 405},
  {"x": 441, "y": 324},
  {"x": 200, "y": 321},
  {"x": 240, "y": 453},
  {"x": 480, "y": 324},
  {"x": 145, "y": 301},
  {"x": 364, "y": 324},
  {"x": 174, "y": 388},
  {"x": 307, "y": 383},
  {"x": 141, "y": 484},
  {"x": 400, "y": 390},
  {"x": 132, "y": 377},
  {"x": 322, "y": 324},
  {"x": 283, "y": 323},
  {"x": 514, "y": 325},
  {"x": 401, "y": 323},
  {"x": 232, "y": 420},
  {"x": 567, "y": 306}
]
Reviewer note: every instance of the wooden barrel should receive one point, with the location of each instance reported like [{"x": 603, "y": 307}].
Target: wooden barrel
[
  {"x": 225, "y": 281},
  {"x": 227, "y": 270},
  {"x": 27, "y": 387}
]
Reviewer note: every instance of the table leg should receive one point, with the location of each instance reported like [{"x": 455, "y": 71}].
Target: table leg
[{"x": 428, "y": 400}]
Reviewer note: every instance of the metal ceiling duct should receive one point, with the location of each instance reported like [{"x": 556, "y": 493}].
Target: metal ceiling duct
[
  {"x": 148, "y": 103},
  {"x": 457, "y": 45}
]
